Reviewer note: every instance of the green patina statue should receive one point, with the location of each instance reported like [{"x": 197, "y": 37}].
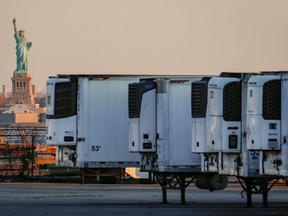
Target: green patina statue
[{"x": 22, "y": 48}]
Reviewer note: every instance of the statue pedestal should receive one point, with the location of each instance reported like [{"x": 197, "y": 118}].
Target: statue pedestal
[{"x": 22, "y": 88}]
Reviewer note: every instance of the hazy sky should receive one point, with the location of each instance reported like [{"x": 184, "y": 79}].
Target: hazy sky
[{"x": 144, "y": 36}]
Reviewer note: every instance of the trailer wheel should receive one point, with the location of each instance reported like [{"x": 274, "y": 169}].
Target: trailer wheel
[{"x": 218, "y": 182}]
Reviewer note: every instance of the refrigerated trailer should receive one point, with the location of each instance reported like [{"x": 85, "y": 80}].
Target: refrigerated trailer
[
  {"x": 267, "y": 124},
  {"x": 218, "y": 116},
  {"x": 160, "y": 130},
  {"x": 160, "y": 125},
  {"x": 87, "y": 120},
  {"x": 221, "y": 113}
]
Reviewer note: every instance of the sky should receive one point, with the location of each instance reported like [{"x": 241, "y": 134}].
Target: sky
[{"x": 184, "y": 37}]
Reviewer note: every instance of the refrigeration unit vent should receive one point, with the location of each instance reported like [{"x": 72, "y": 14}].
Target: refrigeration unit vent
[
  {"x": 65, "y": 99},
  {"x": 199, "y": 99},
  {"x": 136, "y": 91},
  {"x": 134, "y": 101},
  {"x": 232, "y": 102},
  {"x": 272, "y": 100}
]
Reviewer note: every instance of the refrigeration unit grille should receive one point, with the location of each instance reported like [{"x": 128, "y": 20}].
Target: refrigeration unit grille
[
  {"x": 136, "y": 91},
  {"x": 134, "y": 101},
  {"x": 232, "y": 102},
  {"x": 65, "y": 99},
  {"x": 199, "y": 99},
  {"x": 272, "y": 100}
]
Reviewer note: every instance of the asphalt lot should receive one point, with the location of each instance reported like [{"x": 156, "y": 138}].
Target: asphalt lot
[{"x": 131, "y": 199}]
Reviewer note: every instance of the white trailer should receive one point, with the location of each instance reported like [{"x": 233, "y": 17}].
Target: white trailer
[
  {"x": 217, "y": 128},
  {"x": 160, "y": 125},
  {"x": 218, "y": 121},
  {"x": 230, "y": 114},
  {"x": 160, "y": 130},
  {"x": 87, "y": 119},
  {"x": 267, "y": 125}
]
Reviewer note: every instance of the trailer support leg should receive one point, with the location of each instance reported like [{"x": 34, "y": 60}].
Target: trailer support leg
[
  {"x": 265, "y": 189},
  {"x": 82, "y": 176},
  {"x": 182, "y": 188},
  {"x": 249, "y": 193},
  {"x": 265, "y": 199},
  {"x": 164, "y": 195},
  {"x": 164, "y": 190},
  {"x": 121, "y": 175}
]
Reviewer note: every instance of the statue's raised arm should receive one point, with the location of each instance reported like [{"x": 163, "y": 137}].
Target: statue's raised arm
[{"x": 15, "y": 29}]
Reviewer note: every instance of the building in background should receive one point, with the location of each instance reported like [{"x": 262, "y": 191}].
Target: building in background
[{"x": 4, "y": 94}]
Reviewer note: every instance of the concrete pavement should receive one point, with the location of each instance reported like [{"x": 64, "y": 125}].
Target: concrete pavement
[{"x": 131, "y": 199}]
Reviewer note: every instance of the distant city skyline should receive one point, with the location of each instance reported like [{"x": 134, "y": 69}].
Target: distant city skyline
[{"x": 144, "y": 37}]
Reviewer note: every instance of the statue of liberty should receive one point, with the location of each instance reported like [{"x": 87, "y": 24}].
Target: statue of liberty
[{"x": 22, "y": 48}]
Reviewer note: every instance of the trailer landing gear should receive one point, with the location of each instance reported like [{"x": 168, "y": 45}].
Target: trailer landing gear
[
  {"x": 257, "y": 185},
  {"x": 174, "y": 181}
]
